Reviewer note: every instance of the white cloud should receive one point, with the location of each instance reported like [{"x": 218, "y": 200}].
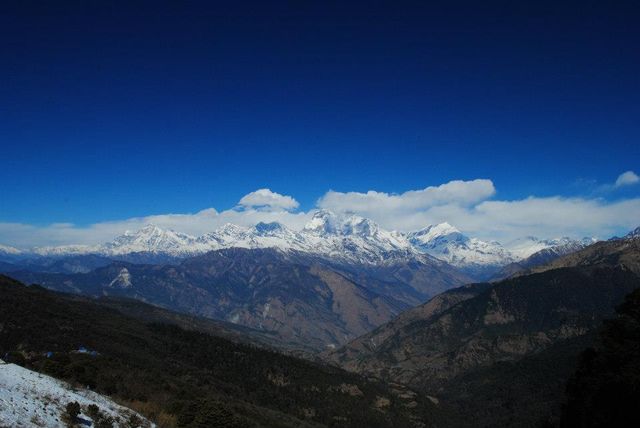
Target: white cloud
[
  {"x": 372, "y": 202},
  {"x": 553, "y": 217},
  {"x": 469, "y": 205},
  {"x": 265, "y": 199},
  {"x": 261, "y": 205},
  {"x": 627, "y": 178}
]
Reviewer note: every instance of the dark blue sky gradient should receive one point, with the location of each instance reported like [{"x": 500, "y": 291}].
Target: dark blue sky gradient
[{"x": 129, "y": 109}]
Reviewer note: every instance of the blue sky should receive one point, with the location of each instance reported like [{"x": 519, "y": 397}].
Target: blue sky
[{"x": 133, "y": 109}]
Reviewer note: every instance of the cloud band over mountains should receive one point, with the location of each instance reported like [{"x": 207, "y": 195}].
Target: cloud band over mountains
[{"x": 469, "y": 205}]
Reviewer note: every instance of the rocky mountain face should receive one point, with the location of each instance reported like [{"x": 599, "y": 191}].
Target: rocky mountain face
[
  {"x": 307, "y": 305},
  {"x": 478, "y": 325},
  {"x": 365, "y": 346},
  {"x": 410, "y": 281}
]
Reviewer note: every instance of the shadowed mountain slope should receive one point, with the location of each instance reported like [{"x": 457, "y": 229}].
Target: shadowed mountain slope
[
  {"x": 305, "y": 304},
  {"x": 506, "y": 321},
  {"x": 187, "y": 378},
  {"x": 604, "y": 391}
]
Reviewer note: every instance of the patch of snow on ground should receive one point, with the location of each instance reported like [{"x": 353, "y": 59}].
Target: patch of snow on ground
[{"x": 31, "y": 399}]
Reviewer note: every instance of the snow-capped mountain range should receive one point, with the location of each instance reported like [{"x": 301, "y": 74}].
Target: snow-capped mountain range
[
  {"x": 340, "y": 237},
  {"x": 481, "y": 259},
  {"x": 344, "y": 238}
]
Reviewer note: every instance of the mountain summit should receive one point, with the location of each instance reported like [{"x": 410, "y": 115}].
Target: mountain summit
[
  {"x": 474, "y": 256},
  {"x": 151, "y": 239},
  {"x": 326, "y": 223}
]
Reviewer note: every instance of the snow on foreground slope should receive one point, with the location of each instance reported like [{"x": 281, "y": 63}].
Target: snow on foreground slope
[{"x": 31, "y": 399}]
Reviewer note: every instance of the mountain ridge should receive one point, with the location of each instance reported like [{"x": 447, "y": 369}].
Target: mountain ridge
[{"x": 345, "y": 238}]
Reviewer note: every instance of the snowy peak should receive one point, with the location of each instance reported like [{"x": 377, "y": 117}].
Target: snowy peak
[
  {"x": 359, "y": 226},
  {"x": 230, "y": 229},
  {"x": 154, "y": 236},
  {"x": 8, "y": 250},
  {"x": 447, "y": 243},
  {"x": 430, "y": 236},
  {"x": 151, "y": 239},
  {"x": 223, "y": 236},
  {"x": 527, "y": 246},
  {"x": 262, "y": 235},
  {"x": 633, "y": 234},
  {"x": 11, "y": 254},
  {"x": 324, "y": 223}
]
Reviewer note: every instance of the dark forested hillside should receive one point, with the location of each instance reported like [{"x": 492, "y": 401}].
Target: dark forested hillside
[
  {"x": 234, "y": 332},
  {"x": 506, "y": 321},
  {"x": 498, "y": 353},
  {"x": 605, "y": 389},
  {"x": 187, "y": 378},
  {"x": 527, "y": 392}
]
